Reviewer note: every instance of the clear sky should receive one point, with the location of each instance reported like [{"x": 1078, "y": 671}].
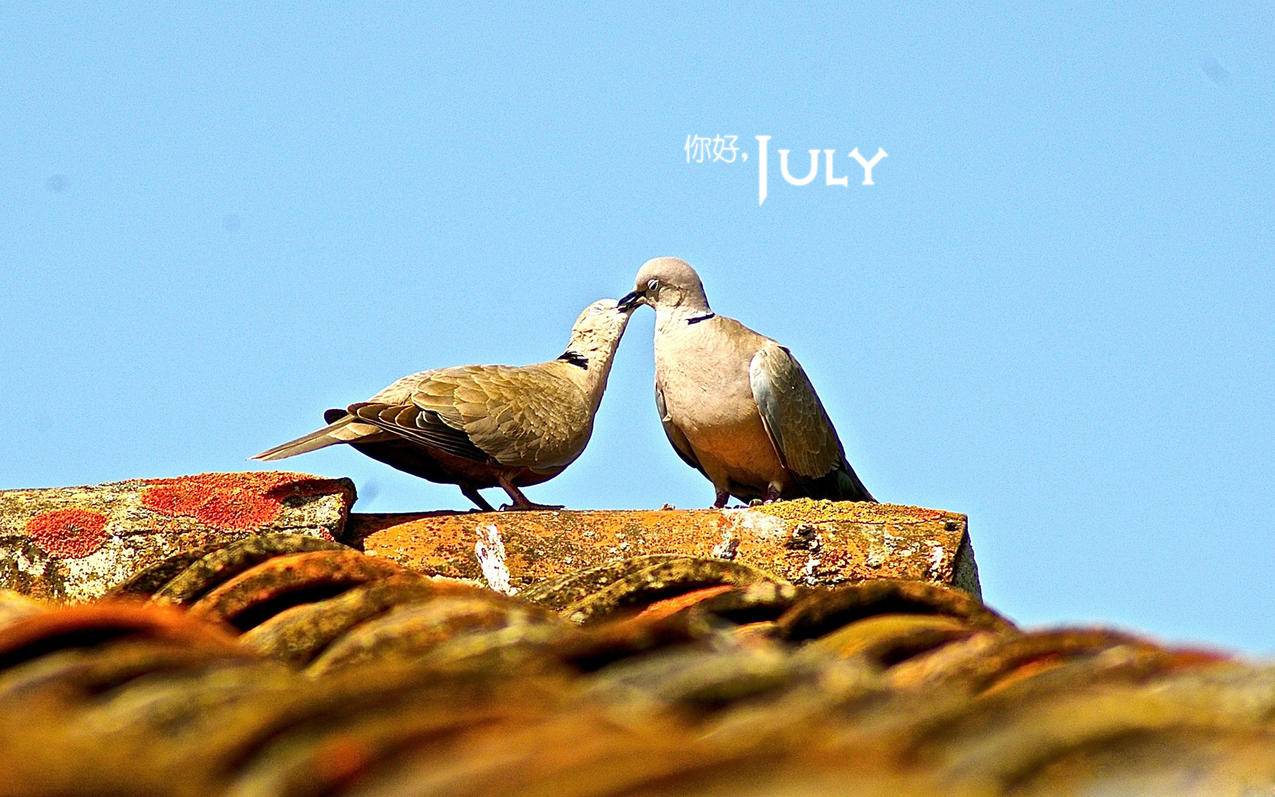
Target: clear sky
[{"x": 1054, "y": 311}]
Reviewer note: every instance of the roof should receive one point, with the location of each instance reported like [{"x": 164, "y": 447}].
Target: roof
[{"x": 294, "y": 663}]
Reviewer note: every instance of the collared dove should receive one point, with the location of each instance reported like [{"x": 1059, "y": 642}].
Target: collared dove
[
  {"x": 736, "y": 405},
  {"x": 479, "y": 426}
]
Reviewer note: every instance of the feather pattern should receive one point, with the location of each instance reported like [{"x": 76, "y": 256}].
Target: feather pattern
[
  {"x": 794, "y": 417},
  {"x": 519, "y": 416}
]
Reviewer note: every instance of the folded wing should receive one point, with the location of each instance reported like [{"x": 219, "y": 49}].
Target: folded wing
[{"x": 518, "y": 417}]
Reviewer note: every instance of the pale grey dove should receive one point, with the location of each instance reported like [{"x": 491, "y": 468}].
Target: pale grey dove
[
  {"x": 479, "y": 426},
  {"x": 736, "y": 405}
]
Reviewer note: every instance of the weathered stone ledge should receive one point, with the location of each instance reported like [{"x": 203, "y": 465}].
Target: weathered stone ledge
[
  {"x": 815, "y": 543},
  {"x": 75, "y": 544}
]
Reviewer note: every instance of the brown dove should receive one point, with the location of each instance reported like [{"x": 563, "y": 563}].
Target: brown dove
[
  {"x": 479, "y": 426},
  {"x": 736, "y": 405}
]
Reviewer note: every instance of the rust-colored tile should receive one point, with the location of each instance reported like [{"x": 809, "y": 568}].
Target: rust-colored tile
[
  {"x": 410, "y": 631},
  {"x": 92, "y": 625},
  {"x": 276, "y": 584},
  {"x": 888, "y": 639},
  {"x": 219, "y": 565},
  {"x": 654, "y": 582},
  {"x": 820, "y": 612},
  {"x": 300, "y": 633}
]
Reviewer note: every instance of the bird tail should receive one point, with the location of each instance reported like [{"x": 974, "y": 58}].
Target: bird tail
[
  {"x": 839, "y": 484},
  {"x": 849, "y": 487},
  {"x": 338, "y": 431}
]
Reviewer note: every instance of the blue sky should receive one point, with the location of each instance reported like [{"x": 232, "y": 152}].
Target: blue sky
[{"x": 1053, "y": 311}]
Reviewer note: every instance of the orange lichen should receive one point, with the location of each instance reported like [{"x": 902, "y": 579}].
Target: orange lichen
[
  {"x": 235, "y": 501},
  {"x": 68, "y": 533},
  {"x": 671, "y": 606},
  {"x": 1027, "y": 670},
  {"x": 341, "y": 759},
  {"x": 852, "y": 541},
  {"x": 807, "y": 509}
]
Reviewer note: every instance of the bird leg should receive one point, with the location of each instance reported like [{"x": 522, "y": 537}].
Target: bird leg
[
  {"x": 521, "y": 502},
  {"x": 773, "y": 492},
  {"x": 722, "y": 499},
  {"x": 472, "y": 494}
]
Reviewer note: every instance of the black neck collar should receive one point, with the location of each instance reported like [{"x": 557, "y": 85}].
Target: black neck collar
[{"x": 575, "y": 358}]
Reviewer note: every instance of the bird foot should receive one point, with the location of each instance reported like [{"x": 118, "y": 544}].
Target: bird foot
[
  {"x": 758, "y": 502},
  {"x": 531, "y": 506},
  {"x": 522, "y": 503},
  {"x": 722, "y": 499}
]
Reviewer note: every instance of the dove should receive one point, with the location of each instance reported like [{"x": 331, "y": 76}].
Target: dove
[
  {"x": 735, "y": 404},
  {"x": 480, "y": 426}
]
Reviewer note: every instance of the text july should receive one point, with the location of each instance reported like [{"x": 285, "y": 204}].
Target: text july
[{"x": 827, "y": 156}]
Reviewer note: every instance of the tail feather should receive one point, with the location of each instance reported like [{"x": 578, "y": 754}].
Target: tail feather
[
  {"x": 839, "y": 484},
  {"x": 850, "y": 488},
  {"x": 340, "y": 431}
]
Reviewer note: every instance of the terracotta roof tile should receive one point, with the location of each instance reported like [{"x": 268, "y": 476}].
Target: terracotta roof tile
[{"x": 278, "y": 663}]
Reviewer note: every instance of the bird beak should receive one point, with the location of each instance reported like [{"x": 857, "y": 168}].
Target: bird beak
[{"x": 631, "y": 300}]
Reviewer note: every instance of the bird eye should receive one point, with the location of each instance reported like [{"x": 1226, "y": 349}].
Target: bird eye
[{"x": 652, "y": 285}]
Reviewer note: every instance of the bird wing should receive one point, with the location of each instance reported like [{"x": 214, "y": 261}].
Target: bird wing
[
  {"x": 517, "y": 416},
  {"x": 794, "y": 418},
  {"x": 678, "y": 440},
  {"x": 419, "y": 426}
]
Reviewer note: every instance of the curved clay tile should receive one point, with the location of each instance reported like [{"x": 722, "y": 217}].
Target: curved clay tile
[
  {"x": 822, "y": 611},
  {"x": 91, "y": 626},
  {"x": 410, "y": 631},
  {"x": 886, "y": 640},
  {"x": 263, "y": 591},
  {"x": 559, "y": 593},
  {"x": 300, "y": 633},
  {"x": 284, "y": 664},
  {"x": 647, "y": 583},
  {"x": 218, "y": 566},
  {"x": 151, "y": 579}
]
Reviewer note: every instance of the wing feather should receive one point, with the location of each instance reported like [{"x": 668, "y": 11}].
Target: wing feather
[
  {"x": 795, "y": 420},
  {"x": 419, "y": 426},
  {"x": 675, "y": 436},
  {"x": 525, "y": 416}
]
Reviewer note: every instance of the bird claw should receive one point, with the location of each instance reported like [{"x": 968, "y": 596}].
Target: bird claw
[{"x": 531, "y": 507}]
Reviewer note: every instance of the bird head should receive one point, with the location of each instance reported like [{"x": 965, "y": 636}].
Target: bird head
[
  {"x": 666, "y": 282},
  {"x": 597, "y": 332}
]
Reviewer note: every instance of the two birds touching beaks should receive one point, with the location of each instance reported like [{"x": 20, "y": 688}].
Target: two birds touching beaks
[{"x": 736, "y": 406}]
